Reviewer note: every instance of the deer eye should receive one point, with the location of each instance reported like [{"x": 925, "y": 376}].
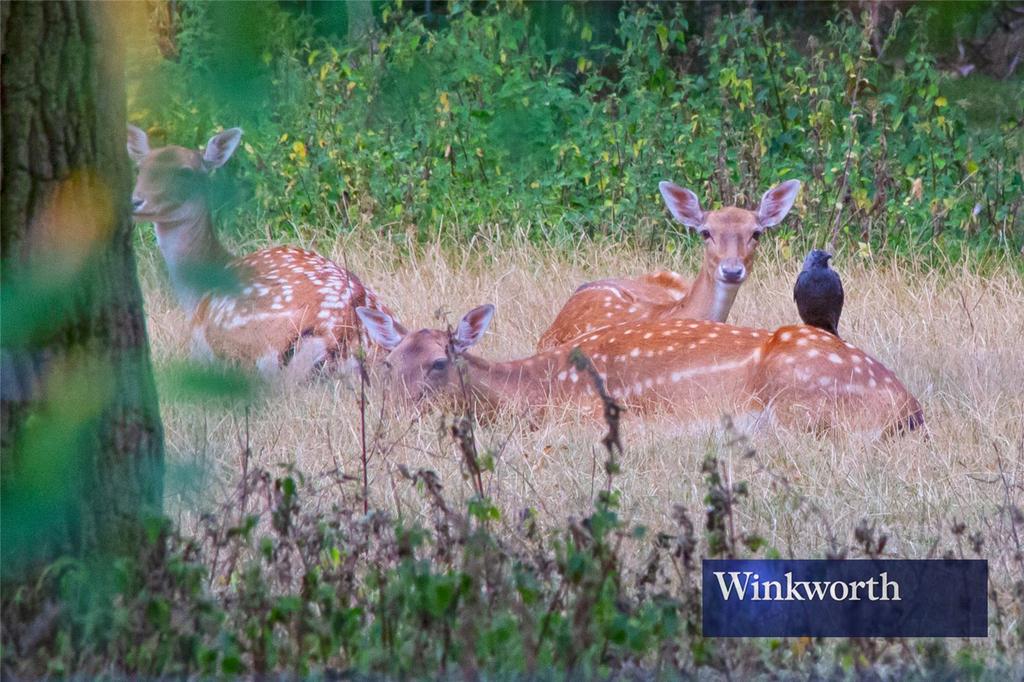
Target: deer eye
[
  {"x": 439, "y": 365},
  {"x": 756, "y": 234},
  {"x": 705, "y": 234},
  {"x": 175, "y": 175}
]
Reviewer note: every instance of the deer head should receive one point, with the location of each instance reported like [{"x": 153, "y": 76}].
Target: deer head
[
  {"x": 421, "y": 363},
  {"x": 171, "y": 181},
  {"x": 730, "y": 234}
]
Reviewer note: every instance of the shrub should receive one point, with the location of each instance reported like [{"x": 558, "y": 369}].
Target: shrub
[{"x": 428, "y": 132}]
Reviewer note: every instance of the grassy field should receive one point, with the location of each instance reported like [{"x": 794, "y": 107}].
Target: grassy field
[{"x": 954, "y": 337}]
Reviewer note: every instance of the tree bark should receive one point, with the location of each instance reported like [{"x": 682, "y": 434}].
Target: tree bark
[{"x": 81, "y": 445}]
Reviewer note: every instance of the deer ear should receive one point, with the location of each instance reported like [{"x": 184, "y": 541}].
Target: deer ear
[
  {"x": 472, "y": 327},
  {"x": 776, "y": 202},
  {"x": 381, "y": 327},
  {"x": 220, "y": 148},
  {"x": 682, "y": 203},
  {"x": 138, "y": 144}
]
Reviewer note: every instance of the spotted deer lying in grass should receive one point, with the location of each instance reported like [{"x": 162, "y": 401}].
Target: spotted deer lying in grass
[
  {"x": 797, "y": 375},
  {"x": 283, "y": 309},
  {"x": 730, "y": 238}
]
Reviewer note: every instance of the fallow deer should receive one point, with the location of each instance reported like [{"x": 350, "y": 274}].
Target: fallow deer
[
  {"x": 730, "y": 238},
  {"x": 283, "y": 309},
  {"x": 696, "y": 369}
]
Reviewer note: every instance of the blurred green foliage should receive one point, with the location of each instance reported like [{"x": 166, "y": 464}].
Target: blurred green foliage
[
  {"x": 189, "y": 382},
  {"x": 56, "y": 441},
  {"x": 490, "y": 121},
  {"x": 52, "y": 453}
]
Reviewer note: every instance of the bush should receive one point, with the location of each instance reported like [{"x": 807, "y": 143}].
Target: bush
[
  {"x": 274, "y": 584},
  {"x": 428, "y": 132}
]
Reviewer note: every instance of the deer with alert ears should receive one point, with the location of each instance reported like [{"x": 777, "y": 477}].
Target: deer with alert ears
[
  {"x": 731, "y": 236},
  {"x": 283, "y": 309},
  {"x": 798, "y": 375}
]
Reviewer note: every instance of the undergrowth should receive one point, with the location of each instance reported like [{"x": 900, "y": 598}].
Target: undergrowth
[{"x": 277, "y": 581}]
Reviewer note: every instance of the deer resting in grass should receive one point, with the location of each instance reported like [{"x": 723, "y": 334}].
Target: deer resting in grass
[
  {"x": 730, "y": 238},
  {"x": 798, "y": 375},
  {"x": 283, "y": 309}
]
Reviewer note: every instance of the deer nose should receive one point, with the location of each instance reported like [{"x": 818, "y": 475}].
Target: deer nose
[
  {"x": 733, "y": 273},
  {"x": 137, "y": 204}
]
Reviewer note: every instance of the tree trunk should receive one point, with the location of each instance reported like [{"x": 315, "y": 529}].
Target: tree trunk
[{"x": 81, "y": 445}]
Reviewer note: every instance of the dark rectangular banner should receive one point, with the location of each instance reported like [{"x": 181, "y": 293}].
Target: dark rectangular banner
[{"x": 839, "y": 598}]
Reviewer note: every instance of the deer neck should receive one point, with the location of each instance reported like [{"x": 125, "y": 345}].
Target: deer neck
[
  {"x": 526, "y": 382},
  {"x": 190, "y": 248},
  {"x": 708, "y": 299}
]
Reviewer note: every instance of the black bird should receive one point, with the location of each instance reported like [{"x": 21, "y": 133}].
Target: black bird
[{"x": 819, "y": 293}]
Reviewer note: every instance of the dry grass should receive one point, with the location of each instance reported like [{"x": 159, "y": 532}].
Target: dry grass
[{"x": 955, "y": 338}]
